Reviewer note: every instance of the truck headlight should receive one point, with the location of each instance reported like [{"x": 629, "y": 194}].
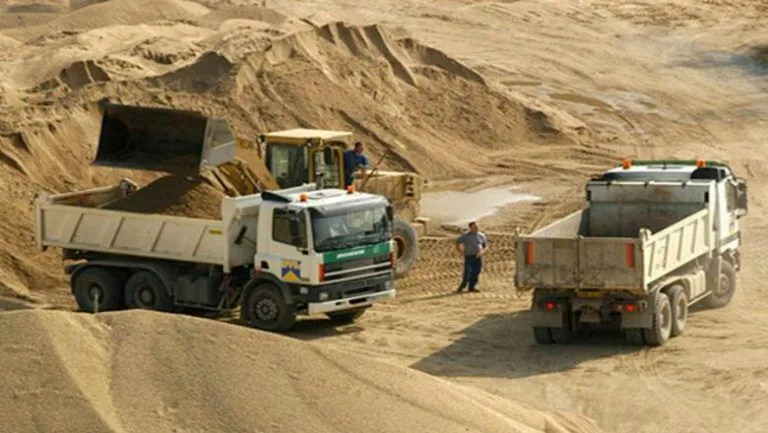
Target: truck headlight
[{"x": 323, "y": 296}]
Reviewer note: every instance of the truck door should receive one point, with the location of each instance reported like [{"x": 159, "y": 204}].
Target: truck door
[{"x": 287, "y": 259}]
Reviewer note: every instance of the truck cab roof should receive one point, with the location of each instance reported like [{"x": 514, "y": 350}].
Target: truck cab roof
[
  {"x": 324, "y": 200},
  {"x": 666, "y": 171}
]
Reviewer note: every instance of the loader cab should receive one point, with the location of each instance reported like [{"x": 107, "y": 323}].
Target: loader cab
[{"x": 299, "y": 156}]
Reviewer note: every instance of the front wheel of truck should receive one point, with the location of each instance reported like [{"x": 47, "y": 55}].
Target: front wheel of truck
[
  {"x": 722, "y": 297},
  {"x": 346, "y": 317},
  {"x": 264, "y": 308}
]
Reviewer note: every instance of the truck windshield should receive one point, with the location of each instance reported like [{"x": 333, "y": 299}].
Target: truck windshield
[{"x": 347, "y": 230}]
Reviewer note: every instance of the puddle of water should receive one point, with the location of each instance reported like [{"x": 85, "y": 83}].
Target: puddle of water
[{"x": 461, "y": 207}]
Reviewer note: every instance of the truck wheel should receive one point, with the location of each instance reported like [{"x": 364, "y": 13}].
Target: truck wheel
[
  {"x": 661, "y": 329},
  {"x": 679, "y": 301},
  {"x": 542, "y": 335},
  {"x": 406, "y": 246},
  {"x": 146, "y": 290},
  {"x": 264, "y": 308},
  {"x": 722, "y": 297},
  {"x": 93, "y": 281},
  {"x": 346, "y": 317}
]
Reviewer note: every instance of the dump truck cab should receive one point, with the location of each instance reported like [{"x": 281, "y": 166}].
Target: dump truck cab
[{"x": 298, "y": 156}]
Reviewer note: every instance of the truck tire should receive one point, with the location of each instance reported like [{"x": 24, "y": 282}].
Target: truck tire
[
  {"x": 727, "y": 287},
  {"x": 97, "y": 280},
  {"x": 542, "y": 335},
  {"x": 679, "y": 301},
  {"x": 406, "y": 246},
  {"x": 346, "y": 317},
  {"x": 145, "y": 290},
  {"x": 265, "y": 308},
  {"x": 661, "y": 329}
]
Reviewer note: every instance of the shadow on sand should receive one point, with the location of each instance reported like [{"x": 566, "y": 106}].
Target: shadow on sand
[{"x": 502, "y": 345}]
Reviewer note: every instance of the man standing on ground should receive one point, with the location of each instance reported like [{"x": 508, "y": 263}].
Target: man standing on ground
[
  {"x": 474, "y": 244},
  {"x": 354, "y": 159}
]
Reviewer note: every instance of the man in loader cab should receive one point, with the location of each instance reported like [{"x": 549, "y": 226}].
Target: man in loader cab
[{"x": 353, "y": 160}]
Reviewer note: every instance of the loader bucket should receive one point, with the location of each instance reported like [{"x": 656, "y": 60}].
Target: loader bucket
[{"x": 159, "y": 139}]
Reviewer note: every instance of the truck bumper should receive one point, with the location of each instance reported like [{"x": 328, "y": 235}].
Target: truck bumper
[{"x": 349, "y": 303}]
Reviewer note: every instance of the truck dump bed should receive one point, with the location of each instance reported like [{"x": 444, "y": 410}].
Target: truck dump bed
[
  {"x": 76, "y": 221},
  {"x": 631, "y": 236}
]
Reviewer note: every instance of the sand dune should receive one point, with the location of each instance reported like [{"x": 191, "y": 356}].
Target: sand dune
[
  {"x": 144, "y": 371},
  {"x": 391, "y": 90}
]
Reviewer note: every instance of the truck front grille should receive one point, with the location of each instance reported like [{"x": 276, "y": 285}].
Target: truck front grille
[{"x": 356, "y": 268}]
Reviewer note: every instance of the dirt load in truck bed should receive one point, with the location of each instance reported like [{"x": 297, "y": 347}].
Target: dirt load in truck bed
[
  {"x": 178, "y": 196},
  {"x": 143, "y": 371}
]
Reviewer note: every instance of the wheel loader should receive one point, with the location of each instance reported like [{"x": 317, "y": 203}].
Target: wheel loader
[{"x": 190, "y": 144}]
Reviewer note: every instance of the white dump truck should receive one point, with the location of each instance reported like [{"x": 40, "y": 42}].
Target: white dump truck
[
  {"x": 275, "y": 254},
  {"x": 655, "y": 238}
]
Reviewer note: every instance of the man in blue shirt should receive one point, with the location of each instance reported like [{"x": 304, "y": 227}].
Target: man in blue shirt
[
  {"x": 353, "y": 159},
  {"x": 472, "y": 245}
]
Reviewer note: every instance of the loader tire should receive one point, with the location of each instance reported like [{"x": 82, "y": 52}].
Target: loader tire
[
  {"x": 406, "y": 246},
  {"x": 723, "y": 297},
  {"x": 661, "y": 329},
  {"x": 679, "y": 301},
  {"x": 93, "y": 281}
]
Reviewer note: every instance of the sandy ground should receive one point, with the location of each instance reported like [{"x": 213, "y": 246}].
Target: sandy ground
[{"x": 473, "y": 94}]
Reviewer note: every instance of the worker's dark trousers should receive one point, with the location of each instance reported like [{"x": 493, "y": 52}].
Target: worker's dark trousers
[{"x": 472, "y": 267}]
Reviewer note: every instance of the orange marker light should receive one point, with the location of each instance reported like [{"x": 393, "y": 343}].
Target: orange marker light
[
  {"x": 700, "y": 163},
  {"x": 350, "y": 189},
  {"x": 626, "y": 164},
  {"x": 303, "y": 197}
]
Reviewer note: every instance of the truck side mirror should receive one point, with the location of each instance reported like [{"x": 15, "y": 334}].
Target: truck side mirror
[
  {"x": 741, "y": 197},
  {"x": 390, "y": 213}
]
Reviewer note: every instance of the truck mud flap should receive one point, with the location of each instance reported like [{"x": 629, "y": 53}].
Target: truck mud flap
[{"x": 548, "y": 319}]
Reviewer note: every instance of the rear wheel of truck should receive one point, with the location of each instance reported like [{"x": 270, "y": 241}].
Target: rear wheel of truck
[
  {"x": 264, "y": 308},
  {"x": 679, "y": 301},
  {"x": 542, "y": 335},
  {"x": 145, "y": 290},
  {"x": 97, "y": 289},
  {"x": 722, "y": 297},
  {"x": 346, "y": 317},
  {"x": 406, "y": 246},
  {"x": 661, "y": 329}
]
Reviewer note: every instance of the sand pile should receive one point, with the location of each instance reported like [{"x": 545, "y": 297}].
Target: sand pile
[
  {"x": 171, "y": 195},
  {"x": 143, "y": 371},
  {"x": 436, "y": 115}
]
